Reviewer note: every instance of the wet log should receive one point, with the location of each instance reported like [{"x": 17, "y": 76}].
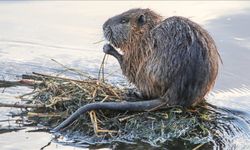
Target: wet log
[
  {"x": 18, "y": 105},
  {"x": 23, "y": 82}
]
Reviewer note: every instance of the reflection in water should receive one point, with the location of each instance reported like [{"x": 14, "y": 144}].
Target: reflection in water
[{"x": 33, "y": 32}]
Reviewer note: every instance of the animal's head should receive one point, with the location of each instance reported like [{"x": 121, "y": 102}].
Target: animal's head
[{"x": 133, "y": 24}]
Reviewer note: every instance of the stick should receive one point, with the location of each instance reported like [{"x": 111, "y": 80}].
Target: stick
[
  {"x": 128, "y": 117},
  {"x": 16, "y": 105},
  {"x": 33, "y": 77},
  {"x": 198, "y": 147},
  {"x": 43, "y": 115},
  {"x": 22, "y": 82},
  {"x": 101, "y": 69},
  {"x": 48, "y": 144},
  {"x": 73, "y": 70},
  {"x": 99, "y": 41},
  {"x": 62, "y": 78}
]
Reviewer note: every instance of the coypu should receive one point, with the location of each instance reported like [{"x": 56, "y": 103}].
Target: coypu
[{"x": 171, "y": 62}]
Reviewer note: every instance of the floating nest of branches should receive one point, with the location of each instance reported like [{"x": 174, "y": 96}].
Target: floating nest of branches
[{"x": 55, "y": 97}]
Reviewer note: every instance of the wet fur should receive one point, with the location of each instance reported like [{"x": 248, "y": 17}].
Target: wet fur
[
  {"x": 173, "y": 59},
  {"x": 171, "y": 62}
]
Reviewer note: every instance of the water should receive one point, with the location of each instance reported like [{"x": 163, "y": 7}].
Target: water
[{"x": 34, "y": 32}]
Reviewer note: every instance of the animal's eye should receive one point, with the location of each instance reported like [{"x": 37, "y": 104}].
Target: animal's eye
[{"x": 124, "y": 20}]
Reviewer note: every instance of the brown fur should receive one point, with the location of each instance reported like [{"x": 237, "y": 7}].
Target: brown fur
[
  {"x": 152, "y": 69},
  {"x": 172, "y": 61}
]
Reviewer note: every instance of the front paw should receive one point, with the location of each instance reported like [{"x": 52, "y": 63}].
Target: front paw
[{"x": 107, "y": 49}]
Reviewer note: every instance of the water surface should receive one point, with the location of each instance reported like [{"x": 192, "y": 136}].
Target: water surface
[{"x": 34, "y": 32}]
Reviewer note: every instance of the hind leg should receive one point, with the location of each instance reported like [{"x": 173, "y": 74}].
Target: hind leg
[{"x": 133, "y": 94}]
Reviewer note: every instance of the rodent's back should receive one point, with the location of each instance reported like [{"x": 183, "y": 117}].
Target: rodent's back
[
  {"x": 173, "y": 59},
  {"x": 183, "y": 65},
  {"x": 175, "y": 63}
]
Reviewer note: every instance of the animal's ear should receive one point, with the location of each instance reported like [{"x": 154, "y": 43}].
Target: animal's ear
[{"x": 142, "y": 19}]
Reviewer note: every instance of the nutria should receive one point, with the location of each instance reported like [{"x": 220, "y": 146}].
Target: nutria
[{"x": 171, "y": 62}]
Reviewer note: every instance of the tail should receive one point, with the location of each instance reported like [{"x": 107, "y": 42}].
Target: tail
[{"x": 122, "y": 106}]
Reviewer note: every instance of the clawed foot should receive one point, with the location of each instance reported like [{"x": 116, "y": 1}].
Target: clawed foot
[
  {"x": 134, "y": 94},
  {"x": 109, "y": 49}
]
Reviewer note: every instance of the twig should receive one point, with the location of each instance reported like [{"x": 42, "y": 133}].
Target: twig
[
  {"x": 16, "y": 105},
  {"x": 32, "y": 114},
  {"x": 94, "y": 121},
  {"x": 23, "y": 82},
  {"x": 7, "y": 120},
  {"x": 98, "y": 41},
  {"x": 33, "y": 77},
  {"x": 95, "y": 125},
  {"x": 27, "y": 94},
  {"x": 128, "y": 117},
  {"x": 199, "y": 146},
  {"x": 48, "y": 144},
  {"x": 101, "y": 69},
  {"x": 73, "y": 70},
  {"x": 106, "y": 97},
  {"x": 62, "y": 78}
]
